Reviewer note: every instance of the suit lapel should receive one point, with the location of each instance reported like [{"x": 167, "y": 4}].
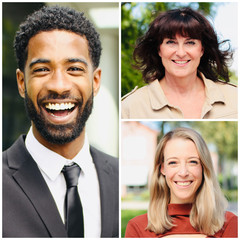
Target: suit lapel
[
  {"x": 104, "y": 172},
  {"x": 29, "y": 178}
]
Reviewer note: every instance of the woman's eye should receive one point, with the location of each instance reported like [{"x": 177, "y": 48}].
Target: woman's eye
[
  {"x": 170, "y": 42},
  {"x": 191, "y": 43},
  {"x": 195, "y": 162},
  {"x": 172, "y": 162}
]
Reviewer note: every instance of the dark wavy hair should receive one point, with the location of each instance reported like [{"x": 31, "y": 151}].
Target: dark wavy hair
[
  {"x": 187, "y": 23},
  {"x": 51, "y": 18}
]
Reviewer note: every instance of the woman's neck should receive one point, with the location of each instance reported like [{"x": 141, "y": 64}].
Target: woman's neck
[
  {"x": 187, "y": 94},
  {"x": 181, "y": 85}
]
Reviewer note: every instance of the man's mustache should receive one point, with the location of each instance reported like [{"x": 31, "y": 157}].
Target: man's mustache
[{"x": 53, "y": 95}]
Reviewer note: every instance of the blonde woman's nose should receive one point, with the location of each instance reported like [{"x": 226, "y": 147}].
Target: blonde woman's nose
[{"x": 183, "y": 170}]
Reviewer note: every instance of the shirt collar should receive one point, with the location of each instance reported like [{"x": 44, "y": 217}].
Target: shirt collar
[
  {"x": 50, "y": 162},
  {"x": 213, "y": 93},
  {"x": 158, "y": 99}
]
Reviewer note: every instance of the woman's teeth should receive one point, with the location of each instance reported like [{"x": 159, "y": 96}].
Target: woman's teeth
[
  {"x": 180, "y": 62},
  {"x": 183, "y": 183}
]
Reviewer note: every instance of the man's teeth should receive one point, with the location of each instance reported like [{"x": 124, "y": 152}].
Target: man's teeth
[
  {"x": 183, "y": 183},
  {"x": 180, "y": 62},
  {"x": 61, "y": 106}
]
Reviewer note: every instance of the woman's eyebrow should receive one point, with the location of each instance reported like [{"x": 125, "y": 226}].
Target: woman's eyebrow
[{"x": 171, "y": 158}]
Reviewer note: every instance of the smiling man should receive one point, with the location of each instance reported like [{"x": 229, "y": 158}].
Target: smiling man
[{"x": 58, "y": 53}]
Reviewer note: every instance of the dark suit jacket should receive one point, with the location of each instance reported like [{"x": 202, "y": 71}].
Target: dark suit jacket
[{"x": 29, "y": 209}]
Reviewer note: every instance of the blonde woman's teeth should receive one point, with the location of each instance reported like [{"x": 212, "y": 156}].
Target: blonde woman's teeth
[{"x": 183, "y": 183}]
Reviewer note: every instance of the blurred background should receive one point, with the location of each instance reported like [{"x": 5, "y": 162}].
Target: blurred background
[
  {"x": 138, "y": 144},
  {"x": 136, "y": 18},
  {"x": 102, "y": 127}
]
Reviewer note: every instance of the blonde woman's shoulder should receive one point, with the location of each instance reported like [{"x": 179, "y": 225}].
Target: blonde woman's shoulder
[{"x": 136, "y": 227}]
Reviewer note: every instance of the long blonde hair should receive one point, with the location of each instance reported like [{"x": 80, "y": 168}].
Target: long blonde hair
[{"x": 208, "y": 209}]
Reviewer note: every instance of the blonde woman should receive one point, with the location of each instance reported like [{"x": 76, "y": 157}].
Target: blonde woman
[{"x": 185, "y": 197}]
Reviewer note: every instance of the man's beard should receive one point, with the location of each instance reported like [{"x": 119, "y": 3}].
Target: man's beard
[{"x": 59, "y": 134}]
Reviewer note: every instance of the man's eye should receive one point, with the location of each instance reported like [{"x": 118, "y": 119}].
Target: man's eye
[
  {"x": 40, "y": 70},
  {"x": 75, "y": 69}
]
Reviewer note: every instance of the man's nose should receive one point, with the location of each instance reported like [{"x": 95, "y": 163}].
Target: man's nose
[{"x": 59, "y": 82}]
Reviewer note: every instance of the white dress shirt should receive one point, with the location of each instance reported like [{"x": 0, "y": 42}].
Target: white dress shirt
[{"x": 50, "y": 164}]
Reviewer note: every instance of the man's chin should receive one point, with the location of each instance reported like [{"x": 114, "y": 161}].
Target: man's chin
[{"x": 60, "y": 134}]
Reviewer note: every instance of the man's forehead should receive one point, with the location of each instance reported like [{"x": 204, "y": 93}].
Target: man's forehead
[
  {"x": 58, "y": 43},
  {"x": 58, "y": 34}
]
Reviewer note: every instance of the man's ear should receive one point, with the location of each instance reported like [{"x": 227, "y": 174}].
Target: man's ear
[
  {"x": 96, "y": 80},
  {"x": 20, "y": 83}
]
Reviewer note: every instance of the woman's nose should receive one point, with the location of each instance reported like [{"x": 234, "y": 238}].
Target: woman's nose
[
  {"x": 183, "y": 171},
  {"x": 181, "y": 52}
]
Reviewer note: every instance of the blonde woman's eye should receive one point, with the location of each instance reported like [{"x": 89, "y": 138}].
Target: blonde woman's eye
[{"x": 195, "y": 162}]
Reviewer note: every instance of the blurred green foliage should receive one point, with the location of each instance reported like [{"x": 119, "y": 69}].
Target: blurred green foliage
[
  {"x": 139, "y": 196},
  {"x": 126, "y": 216},
  {"x": 136, "y": 18},
  {"x": 13, "y": 14},
  {"x": 222, "y": 134},
  {"x": 231, "y": 195}
]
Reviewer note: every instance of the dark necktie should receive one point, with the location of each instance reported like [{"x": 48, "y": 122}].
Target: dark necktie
[{"x": 73, "y": 207}]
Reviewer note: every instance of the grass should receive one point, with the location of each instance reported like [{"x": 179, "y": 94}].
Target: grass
[{"x": 126, "y": 216}]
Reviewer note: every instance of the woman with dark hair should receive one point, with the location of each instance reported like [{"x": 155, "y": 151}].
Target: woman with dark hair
[
  {"x": 185, "y": 197},
  {"x": 181, "y": 61}
]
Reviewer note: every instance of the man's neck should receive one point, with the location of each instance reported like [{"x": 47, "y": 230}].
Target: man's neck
[{"x": 67, "y": 150}]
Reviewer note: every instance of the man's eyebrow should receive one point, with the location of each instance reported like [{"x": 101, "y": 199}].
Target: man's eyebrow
[
  {"x": 39, "y": 60},
  {"x": 74, "y": 60},
  {"x": 71, "y": 60}
]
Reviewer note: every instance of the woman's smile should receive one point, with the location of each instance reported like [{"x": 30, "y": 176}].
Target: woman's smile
[
  {"x": 182, "y": 170},
  {"x": 183, "y": 183},
  {"x": 181, "y": 62},
  {"x": 180, "y": 56}
]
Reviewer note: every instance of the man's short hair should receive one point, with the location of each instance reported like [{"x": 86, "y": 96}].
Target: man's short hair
[{"x": 51, "y": 18}]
